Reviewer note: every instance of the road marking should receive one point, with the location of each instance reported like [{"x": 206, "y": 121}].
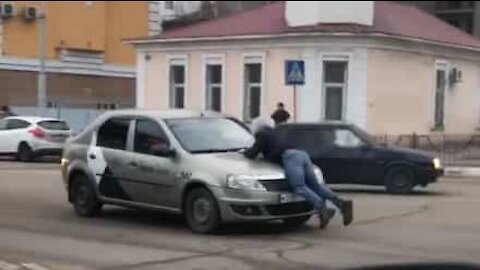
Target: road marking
[
  {"x": 33, "y": 266},
  {"x": 8, "y": 266}
]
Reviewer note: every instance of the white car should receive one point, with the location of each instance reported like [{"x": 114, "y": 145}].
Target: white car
[{"x": 31, "y": 137}]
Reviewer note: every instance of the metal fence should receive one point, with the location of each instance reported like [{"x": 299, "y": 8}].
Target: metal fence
[{"x": 452, "y": 149}]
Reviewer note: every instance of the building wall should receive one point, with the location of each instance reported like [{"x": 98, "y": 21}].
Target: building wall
[
  {"x": 300, "y": 13},
  {"x": 462, "y": 109},
  {"x": 124, "y": 20},
  {"x": 87, "y": 62},
  {"x": 156, "y": 81},
  {"x": 401, "y": 94},
  {"x": 463, "y": 14},
  {"x": 391, "y": 89},
  {"x": 1, "y": 36},
  {"x": 69, "y": 24},
  {"x": 20, "y": 88},
  {"x": 20, "y": 38},
  {"x": 274, "y": 90},
  {"x": 83, "y": 25},
  {"x": 476, "y": 20},
  {"x": 178, "y": 9},
  {"x": 76, "y": 25}
]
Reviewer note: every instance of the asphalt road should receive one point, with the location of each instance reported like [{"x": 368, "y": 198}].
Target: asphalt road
[{"x": 38, "y": 230}]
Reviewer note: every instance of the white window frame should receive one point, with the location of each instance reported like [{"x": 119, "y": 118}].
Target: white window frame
[
  {"x": 177, "y": 60},
  {"x": 335, "y": 58},
  {"x": 439, "y": 65},
  {"x": 254, "y": 58},
  {"x": 213, "y": 59}
]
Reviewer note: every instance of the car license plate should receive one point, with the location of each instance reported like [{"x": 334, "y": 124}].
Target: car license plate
[
  {"x": 58, "y": 138},
  {"x": 289, "y": 198}
]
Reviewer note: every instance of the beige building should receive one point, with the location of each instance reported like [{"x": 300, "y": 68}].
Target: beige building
[
  {"x": 87, "y": 64},
  {"x": 387, "y": 67}
]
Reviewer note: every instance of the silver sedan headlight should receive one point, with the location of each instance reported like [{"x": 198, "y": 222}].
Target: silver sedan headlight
[{"x": 244, "y": 182}]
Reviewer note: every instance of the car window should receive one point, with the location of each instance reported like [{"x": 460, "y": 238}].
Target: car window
[
  {"x": 16, "y": 124},
  {"x": 149, "y": 137},
  {"x": 298, "y": 138},
  {"x": 210, "y": 135},
  {"x": 113, "y": 134},
  {"x": 3, "y": 124},
  {"x": 346, "y": 138},
  {"x": 54, "y": 125},
  {"x": 312, "y": 140}
]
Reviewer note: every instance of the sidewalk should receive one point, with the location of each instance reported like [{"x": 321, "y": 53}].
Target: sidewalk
[
  {"x": 463, "y": 168},
  {"x": 462, "y": 171}
]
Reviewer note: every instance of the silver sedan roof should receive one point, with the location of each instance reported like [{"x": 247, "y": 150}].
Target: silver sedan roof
[{"x": 163, "y": 114}]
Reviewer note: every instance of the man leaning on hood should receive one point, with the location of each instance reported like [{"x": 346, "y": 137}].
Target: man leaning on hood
[{"x": 299, "y": 172}]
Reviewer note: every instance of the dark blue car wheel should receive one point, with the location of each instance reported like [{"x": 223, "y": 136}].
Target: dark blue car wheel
[{"x": 399, "y": 180}]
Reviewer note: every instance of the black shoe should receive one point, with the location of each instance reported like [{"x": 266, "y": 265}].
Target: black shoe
[
  {"x": 325, "y": 216},
  {"x": 346, "y": 207}
]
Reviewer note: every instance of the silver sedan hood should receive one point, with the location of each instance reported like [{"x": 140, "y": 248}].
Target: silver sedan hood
[{"x": 236, "y": 163}]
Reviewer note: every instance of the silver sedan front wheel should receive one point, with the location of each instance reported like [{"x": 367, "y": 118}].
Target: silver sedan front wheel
[{"x": 201, "y": 211}]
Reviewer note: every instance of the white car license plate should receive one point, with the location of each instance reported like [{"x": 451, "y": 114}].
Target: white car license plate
[
  {"x": 289, "y": 198},
  {"x": 58, "y": 138}
]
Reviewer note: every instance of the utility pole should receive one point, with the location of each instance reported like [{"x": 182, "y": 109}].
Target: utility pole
[{"x": 42, "y": 78}]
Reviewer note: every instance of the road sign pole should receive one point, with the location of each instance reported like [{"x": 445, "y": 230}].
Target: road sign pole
[
  {"x": 294, "y": 103},
  {"x": 294, "y": 75}
]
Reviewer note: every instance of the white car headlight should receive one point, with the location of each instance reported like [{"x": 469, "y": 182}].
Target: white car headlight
[
  {"x": 319, "y": 175},
  {"x": 437, "y": 165},
  {"x": 244, "y": 182}
]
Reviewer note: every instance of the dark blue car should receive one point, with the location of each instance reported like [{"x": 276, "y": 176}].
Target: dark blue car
[{"x": 348, "y": 155}]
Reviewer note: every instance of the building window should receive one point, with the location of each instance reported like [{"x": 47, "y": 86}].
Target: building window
[
  {"x": 440, "y": 86},
  {"x": 169, "y": 5},
  {"x": 334, "y": 88},
  {"x": 214, "y": 87},
  {"x": 70, "y": 55},
  {"x": 177, "y": 85},
  {"x": 253, "y": 90}
]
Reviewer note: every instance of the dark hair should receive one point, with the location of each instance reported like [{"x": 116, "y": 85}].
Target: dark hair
[
  {"x": 280, "y": 104},
  {"x": 5, "y": 108}
]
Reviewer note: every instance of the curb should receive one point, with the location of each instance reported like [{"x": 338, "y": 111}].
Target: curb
[
  {"x": 22, "y": 266},
  {"x": 462, "y": 171}
]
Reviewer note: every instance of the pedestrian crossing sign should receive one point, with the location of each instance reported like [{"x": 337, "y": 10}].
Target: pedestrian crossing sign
[{"x": 294, "y": 72}]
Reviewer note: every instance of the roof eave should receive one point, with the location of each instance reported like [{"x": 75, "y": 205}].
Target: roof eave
[
  {"x": 426, "y": 41},
  {"x": 239, "y": 37},
  {"x": 140, "y": 42}
]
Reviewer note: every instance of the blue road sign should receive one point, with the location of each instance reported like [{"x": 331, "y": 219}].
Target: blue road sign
[{"x": 294, "y": 72}]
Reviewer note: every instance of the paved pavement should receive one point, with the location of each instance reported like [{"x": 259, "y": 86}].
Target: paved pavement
[
  {"x": 463, "y": 171},
  {"x": 39, "y": 231}
]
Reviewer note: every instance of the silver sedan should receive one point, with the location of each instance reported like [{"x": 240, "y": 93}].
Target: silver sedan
[{"x": 177, "y": 161}]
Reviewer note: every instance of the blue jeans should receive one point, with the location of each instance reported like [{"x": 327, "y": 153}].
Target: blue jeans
[{"x": 302, "y": 180}]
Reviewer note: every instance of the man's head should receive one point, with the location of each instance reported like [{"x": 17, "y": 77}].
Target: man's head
[
  {"x": 5, "y": 108},
  {"x": 259, "y": 124},
  {"x": 280, "y": 106}
]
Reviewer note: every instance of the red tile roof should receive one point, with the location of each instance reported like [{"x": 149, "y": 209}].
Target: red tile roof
[{"x": 389, "y": 18}]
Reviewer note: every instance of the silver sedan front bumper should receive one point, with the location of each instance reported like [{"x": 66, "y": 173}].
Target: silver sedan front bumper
[{"x": 245, "y": 205}]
